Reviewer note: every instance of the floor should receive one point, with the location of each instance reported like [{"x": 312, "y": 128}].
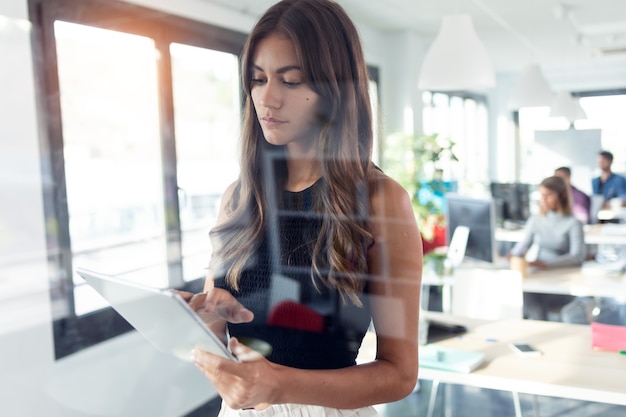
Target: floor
[{"x": 462, "y": 401}]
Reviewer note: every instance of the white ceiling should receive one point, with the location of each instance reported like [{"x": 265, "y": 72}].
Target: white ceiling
[{"x": 556, "y": 34}]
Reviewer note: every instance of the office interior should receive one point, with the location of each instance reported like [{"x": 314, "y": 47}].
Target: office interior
[{"x": 93, "y": 174}]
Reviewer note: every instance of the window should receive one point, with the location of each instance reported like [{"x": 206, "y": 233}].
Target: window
[
  {"x": 602, "y": 129},
  {"x": 206, "y": 143},
  {"x": 463, "y": 118},
  {"x": 374, "y": 90},
  {"x": 141, "y": 117}
]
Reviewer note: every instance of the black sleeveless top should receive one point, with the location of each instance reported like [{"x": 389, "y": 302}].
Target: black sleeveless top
[{"x": 307, "y": 326}]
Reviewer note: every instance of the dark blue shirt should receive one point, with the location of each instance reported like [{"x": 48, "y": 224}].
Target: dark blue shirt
[{"x": 613, "y": 187}]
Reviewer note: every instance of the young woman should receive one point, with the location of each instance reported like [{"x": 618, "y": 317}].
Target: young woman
[
  {"x": 557, "y": 234},
  {"x": 313, "y": 242},
  {"x": 558, "y": 240}
]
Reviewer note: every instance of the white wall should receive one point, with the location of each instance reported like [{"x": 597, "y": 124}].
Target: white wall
[{"x": 402, "y": 100}]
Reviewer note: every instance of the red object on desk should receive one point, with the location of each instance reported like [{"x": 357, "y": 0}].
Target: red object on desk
[
  {"x": 608, "y": 337},
  {"x": 438, "y": 240}
]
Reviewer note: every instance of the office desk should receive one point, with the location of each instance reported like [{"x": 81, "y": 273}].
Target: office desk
[
  {"x": 595, "y": 234},
  {"x": 565, "y": 281},
  {"x": 568, "y": 368},
  {"x": 607, "y": 234},
  {"x": 572, "y": 281}
]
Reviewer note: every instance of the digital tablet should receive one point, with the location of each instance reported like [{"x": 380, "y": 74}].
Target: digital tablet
[{"x": 160, "y": 315}]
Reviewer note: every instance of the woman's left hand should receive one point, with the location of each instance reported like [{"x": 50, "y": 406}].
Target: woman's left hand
[
  {"x": 538, "y": 264},
  {"x": 249, "y": 383}
]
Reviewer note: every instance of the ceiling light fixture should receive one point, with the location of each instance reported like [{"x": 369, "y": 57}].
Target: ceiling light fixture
[
  {"x": 457, "y": 60},
  {"x": 531, "y": 90},
  {"x": 564, "y": 105}
]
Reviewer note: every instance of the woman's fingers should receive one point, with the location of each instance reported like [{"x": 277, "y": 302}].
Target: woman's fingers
[
  {"x": 217, "y": 304},
  {"x": 243, "y": 352},
  {"x": 204, "y": 360},
  {"x": 241, "y": 384},
  {"x": 239, "y": 314},
  {"x": 225, "y": 306},
  {"x": 185, "y": 295},
  {"x": 198, "y": 301}
]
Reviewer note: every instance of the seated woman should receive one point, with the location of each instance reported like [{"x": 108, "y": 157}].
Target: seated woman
[{"x": 557, "y": 240}]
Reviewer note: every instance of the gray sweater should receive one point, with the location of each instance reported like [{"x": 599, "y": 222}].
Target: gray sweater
[{"x": 560, "y": 239}]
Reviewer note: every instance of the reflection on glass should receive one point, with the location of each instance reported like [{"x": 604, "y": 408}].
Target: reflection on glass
[
  {"x": 109, "y": 107},
  {"x": 207, "y": 128}
]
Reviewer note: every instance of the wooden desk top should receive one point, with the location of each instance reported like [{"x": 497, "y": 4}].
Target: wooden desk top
[
  {"x": 568, "y": 367},
  {"x": 595, "y": 234},
  {"x": 567, "y": 281},
  {"x": 573, "y": 281}
]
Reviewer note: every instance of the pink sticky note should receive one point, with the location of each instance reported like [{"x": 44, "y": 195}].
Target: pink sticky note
[{"x": 608, "y": 337}]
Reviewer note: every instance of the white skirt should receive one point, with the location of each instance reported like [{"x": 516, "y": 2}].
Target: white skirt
[{"x": 298, "y": 410}]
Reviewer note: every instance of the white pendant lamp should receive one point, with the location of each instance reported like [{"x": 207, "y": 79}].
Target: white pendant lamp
[
  {"x": 564, "y": 105},
  {"x": 531, "y": 90},
  {"x": 456, "y": 60}
]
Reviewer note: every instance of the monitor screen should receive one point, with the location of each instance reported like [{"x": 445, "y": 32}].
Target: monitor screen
[
  {"x": 479, "y": 216},
  {"x": 512, "y": 201}
]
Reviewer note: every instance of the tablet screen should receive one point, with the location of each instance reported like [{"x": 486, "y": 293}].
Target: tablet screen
[{"x": 160, "y": 315}]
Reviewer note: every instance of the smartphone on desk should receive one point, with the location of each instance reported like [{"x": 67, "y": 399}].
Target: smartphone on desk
[{"x": 524, "y": 349}]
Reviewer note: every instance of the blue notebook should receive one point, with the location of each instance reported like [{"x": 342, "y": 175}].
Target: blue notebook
[{"x": 448, "y": 359}]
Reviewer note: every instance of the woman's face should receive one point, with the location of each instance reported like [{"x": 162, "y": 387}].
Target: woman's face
[
  {"x": 286, "y": 106},
  {"x": 549, "y": 199}
]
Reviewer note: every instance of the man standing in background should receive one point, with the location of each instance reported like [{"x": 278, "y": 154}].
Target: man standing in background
[
  {"x": 609, "y": 184},
  {"x": 581, "y": 202}
]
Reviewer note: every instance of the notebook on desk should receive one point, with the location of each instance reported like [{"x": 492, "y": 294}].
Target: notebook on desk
[{"x": 448, "y": 359}]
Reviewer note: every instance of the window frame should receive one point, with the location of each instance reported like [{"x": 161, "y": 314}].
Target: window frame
[
  {"x": 71, "y": 332},
  {"x": 481, "y": 101}
]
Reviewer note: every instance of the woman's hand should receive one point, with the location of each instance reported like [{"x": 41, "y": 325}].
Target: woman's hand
[
  {"x": 538, "y": 264},
  {"x": 216, "y": 307},
  {"x": 250, "y": 383}
]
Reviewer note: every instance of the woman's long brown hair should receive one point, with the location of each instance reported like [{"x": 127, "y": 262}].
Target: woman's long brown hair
[
  {"x": 329, "y": 52},
  {"x": 558, "y": 186}
]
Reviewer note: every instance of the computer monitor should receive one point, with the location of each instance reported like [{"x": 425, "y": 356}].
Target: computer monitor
[
  {"x": 597, "y": 201},
  {"x": 512, "y": 201},
  {"x": 478, "y": 215}
]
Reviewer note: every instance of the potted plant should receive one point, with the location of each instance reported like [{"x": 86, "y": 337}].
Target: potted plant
[{"x": 416, "y": 162}]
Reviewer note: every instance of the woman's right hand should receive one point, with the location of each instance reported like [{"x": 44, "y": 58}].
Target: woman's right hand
[{"x": 216, "y": 307}]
